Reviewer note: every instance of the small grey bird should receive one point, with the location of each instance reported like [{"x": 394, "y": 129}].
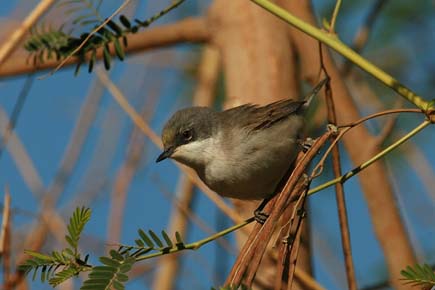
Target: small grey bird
[{"x": 242, "y": 152}]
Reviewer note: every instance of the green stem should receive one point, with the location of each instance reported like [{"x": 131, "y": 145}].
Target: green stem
[
  {"x": 375, "y": 158},
  {"x": 196, "y": 245},
  {"x": 333, "y": 42},
  {"x": 334, "y": 16}
]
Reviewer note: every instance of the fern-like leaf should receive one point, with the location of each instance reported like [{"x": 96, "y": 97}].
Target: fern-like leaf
[
  {"x": 419, "y": 275},
  {"x": 61, "y": 265},
  {"x": 111, "y": 275},
  {"x": 76, "y": 224},
  {"x": 64, "y": 275}
]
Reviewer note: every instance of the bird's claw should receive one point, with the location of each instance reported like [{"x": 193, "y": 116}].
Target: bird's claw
[
  {"x": 307, "y": 144},
  {"x": 260, "y": 216}
]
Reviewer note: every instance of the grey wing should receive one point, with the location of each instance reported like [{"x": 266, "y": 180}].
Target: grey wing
[{"x": 260, "y": 117}]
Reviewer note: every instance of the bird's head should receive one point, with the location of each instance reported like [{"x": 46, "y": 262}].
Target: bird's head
[{"x": 187, "y": 136}]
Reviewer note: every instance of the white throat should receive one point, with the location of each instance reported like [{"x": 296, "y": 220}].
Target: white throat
[{"x": 198, "y": 154}]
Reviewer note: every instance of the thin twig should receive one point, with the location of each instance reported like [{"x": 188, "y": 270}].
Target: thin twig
[
  {"x": 387, "y": 128},
  {"x": 294, "y": 251},
  {"x": 379, "y": 114},
  {"x": 289, "y": 243},
  {"x": 369, "y": 162},
  {"x": 334, "y": 16},
  {"x": 198, "y": 244},
  {"x": 346, "y": 128}
]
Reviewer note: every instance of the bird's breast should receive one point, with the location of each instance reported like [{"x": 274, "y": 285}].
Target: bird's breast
[{"x": 249, "y": 171}]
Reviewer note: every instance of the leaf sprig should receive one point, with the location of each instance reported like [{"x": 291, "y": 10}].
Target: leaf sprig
[
  {"x": 44, "y": 44},
  {"x": 58, "y": 267},
  {"x": 61, "y": 265},
  {"x": 112, "y": 274},
  {"x": 419, "y": 275}
]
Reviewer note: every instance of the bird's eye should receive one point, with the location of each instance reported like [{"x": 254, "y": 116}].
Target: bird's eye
[{"x": 187, "y": 135}]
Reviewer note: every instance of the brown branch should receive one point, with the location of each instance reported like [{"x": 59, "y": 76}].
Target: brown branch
[
  {"x": 339, "y": 189},
  {"x": 296, "y": 235},
  {"x": 388, "y": 127},
  {"x": 290, "y": 242},
  {"x": 379, "y": 114},
  {"x": 14, "y": 39},
  {"x": 189, "y": 30},
  {"x": 242, "y": 262},
  {"x": 5, "y": 239},
  {"x": 283, "y": 258}
]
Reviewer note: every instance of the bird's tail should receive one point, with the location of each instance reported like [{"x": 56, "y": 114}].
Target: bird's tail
[{"x": 314, "y": 92}]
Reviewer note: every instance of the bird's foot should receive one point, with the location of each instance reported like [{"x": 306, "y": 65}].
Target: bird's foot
[
  {"x": 260, "y": 216},
  {"x": 307, "y": 144}
]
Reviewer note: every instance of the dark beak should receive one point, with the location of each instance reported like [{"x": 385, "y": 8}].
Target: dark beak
[{"x": 165, "y": 154}]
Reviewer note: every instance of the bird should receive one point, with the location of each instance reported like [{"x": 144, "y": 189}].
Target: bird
[{"x": 242, "y": 152}]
